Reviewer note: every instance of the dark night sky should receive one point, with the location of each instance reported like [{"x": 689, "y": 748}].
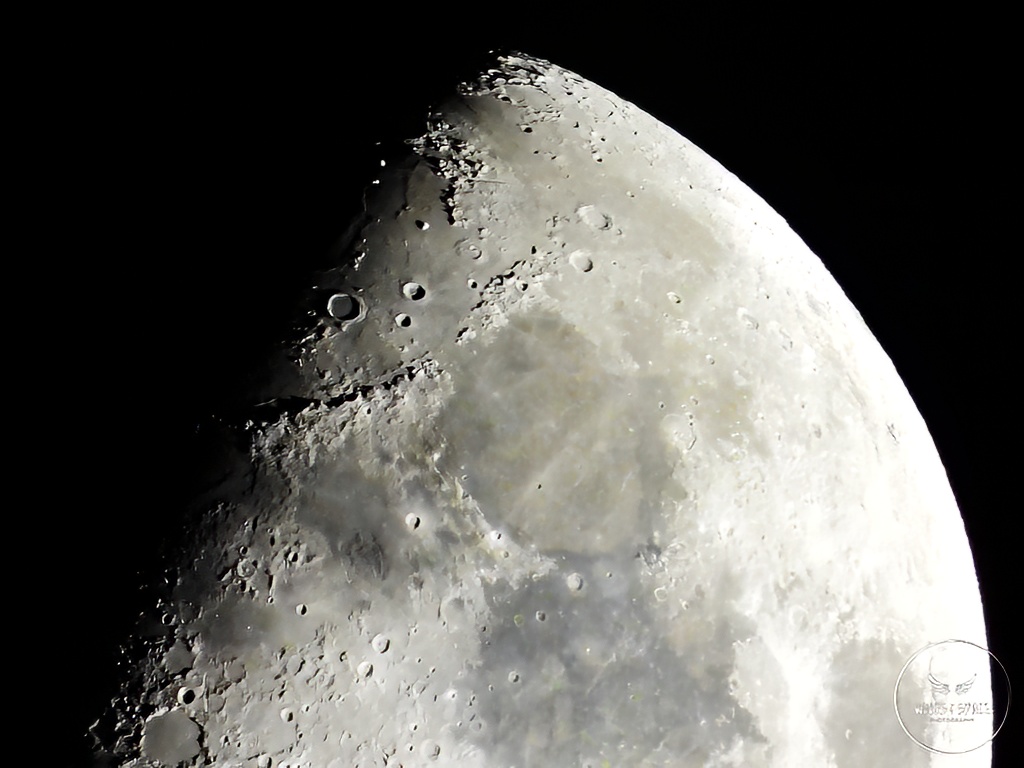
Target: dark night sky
[{"x": 206, "y": 167}]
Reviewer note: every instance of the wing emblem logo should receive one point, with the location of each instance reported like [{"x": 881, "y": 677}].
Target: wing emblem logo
[{"x": 960, "y": 688}]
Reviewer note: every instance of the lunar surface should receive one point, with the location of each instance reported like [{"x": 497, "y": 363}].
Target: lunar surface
[{"x": 579, "y": 457}]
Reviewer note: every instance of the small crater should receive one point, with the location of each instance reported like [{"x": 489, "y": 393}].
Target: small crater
[
  {"x": 422, "y": 225},
  {"x": 342, "y": 306},
  {"x": 365, "y": 669},
  {"x": 574, "y": 581},
  {"x": 748, "y": 320},
  {"x": 186, "y": 696},
  {"x": 413, "y": 291},
  {"x": 431, "y": 749},
  {"x": 592, "y": 217},
  {"x": 581, "y": 261},
  {"x": 301, "y": 609},
  {"x": 469, "y": 250},
  {"x": 380, "y": 643},
  {"x": 403, "y": 320}
]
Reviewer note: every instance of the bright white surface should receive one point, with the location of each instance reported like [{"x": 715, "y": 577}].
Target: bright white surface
[{"x": 625, "y": 398}]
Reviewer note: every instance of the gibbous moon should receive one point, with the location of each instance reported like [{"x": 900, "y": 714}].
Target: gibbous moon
[{"x": 581, "y": 458}]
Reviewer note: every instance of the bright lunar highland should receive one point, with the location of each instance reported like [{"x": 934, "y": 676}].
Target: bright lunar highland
[{"x": 579, "y": 458}]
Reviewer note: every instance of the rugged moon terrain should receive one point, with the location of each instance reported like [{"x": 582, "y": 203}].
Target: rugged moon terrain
[{"x": 581, "y": 458}]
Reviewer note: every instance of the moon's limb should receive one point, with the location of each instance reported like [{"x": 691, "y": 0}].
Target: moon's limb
[{"x": 595, "y": 463}]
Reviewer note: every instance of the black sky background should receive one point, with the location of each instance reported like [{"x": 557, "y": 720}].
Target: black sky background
[{"x": 198, "y": 169}]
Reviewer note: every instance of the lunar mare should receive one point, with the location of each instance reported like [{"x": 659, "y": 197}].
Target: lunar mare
[{"x": 583, "y": 459}]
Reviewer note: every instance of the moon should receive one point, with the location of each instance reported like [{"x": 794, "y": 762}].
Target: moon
[{"x": 579, "y": 457}]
